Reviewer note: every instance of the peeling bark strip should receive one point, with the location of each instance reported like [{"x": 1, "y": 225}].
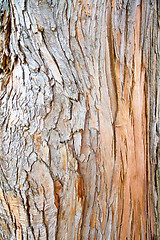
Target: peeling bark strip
[{"x": 79, "y": 89}]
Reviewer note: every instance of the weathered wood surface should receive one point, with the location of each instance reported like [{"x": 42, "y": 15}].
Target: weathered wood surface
[{"x": 79, "y": 119}]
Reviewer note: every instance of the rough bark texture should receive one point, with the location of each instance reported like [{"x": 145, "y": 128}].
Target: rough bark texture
[{"x": 79, "y": 119}]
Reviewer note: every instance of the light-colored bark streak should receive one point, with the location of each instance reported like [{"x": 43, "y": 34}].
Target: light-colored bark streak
[{"x": 77, "y": 78}]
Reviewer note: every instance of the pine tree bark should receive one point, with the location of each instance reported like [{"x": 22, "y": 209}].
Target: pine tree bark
[{"x": 79, "y": 119}]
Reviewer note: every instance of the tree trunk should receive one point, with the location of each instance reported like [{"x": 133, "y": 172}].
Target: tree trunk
[{"x": 79, "y": 119}]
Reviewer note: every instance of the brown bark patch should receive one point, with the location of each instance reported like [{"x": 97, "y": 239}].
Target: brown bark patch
[
  {"x": 37, "y": 141},
  {"x": 80, "y": 189},
  {"x": 57, "y": 192}
]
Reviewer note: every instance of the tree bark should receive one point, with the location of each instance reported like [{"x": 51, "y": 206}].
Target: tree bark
[{"x": 79, "y": 119}]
